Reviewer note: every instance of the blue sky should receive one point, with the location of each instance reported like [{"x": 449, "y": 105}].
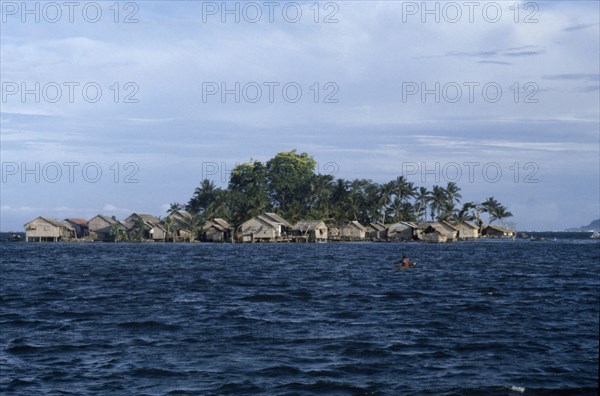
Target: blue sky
[{"x": 371, "y": 57}]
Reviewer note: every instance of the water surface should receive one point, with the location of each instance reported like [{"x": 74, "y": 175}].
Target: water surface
[{"x": 487, "y": 317}]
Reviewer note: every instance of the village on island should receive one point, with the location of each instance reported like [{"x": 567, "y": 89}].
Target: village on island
[
  {"x": 284, "y": 200},
  {"x": 267, "y": 227}
]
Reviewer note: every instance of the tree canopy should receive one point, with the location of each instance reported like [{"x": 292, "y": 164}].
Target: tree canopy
[{"x": 288, "y": 184}]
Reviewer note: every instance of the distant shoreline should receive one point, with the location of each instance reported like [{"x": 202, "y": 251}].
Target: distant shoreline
[
  {"x": 519, "y": 231},
  {"x": 4, "y": 238}
]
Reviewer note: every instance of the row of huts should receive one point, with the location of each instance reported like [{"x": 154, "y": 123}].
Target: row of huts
[
  {"x": 267, "y": 227},
  {"x": 175, "y": 227}
]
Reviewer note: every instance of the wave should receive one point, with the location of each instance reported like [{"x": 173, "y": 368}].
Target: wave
[
  {"x": 148, "y": 325},
  {"x": 16, "y": 383},
  {"x": 271, "y": 298},
  {"x": 281, "y": 370},
  {"x": 233, "y": 388},
  {"x": 326, "y": 387},
  {"x": 24, "y": 348},
  {"x": 155, "y": 373}
]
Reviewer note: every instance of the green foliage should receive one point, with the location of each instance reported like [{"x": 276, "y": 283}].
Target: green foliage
[
  {"x": 194, "y": 224},
  {"x": 117, "y": 233},
  {"x": 170, "y": 228},
  {"x": 287, "y": 184},
  {"x": 138, "y": 232},
  {"x": 203, "y": 197},
  {"x": 289, "y": 177},
  {"x": 248, "y": 191},
  {"x": 174, "y": 207},
  {"x": 495, "y": 210}
]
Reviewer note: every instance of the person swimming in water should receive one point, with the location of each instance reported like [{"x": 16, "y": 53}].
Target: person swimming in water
[{"x": 405, "y": 261}]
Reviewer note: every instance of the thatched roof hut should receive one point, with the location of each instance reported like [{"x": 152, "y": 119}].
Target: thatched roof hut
[
  {"x": 310, "y": 231},
  {"x": 451, "y": 231},
  {"x": 153, "y": 229},
  {"x": 467, "y": 230},
  {"x": 493, "y": 231},
  {"x": 434, "y": 232},
  {"x": 267, "y": 227},
  {"x": 46, "y": 229},
  {"x": 99, "y": 227},
  {"x": 181, "y": 227},
  {"x": 80, "y": 225},
  {"x": 217, "y": 230},
  {"x": 402, "y": 231},
  {"x": 354, "y": 231},
  {"x": 376, "y": 231}
]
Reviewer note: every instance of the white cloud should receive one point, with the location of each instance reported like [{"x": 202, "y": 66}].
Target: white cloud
[{"x": 110, "y": 208}]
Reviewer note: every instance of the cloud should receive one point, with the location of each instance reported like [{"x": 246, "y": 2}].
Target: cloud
[
  {"x": 110, "y": 208},
  {"x": 573, "y": 77},
  {"x": 589, "y": 88},
  {"x": 580, "y": 26},
  {"x": 480, "y": 144},
  {"x": 495, "y": 62},
  {"x": 523, "y": 51},
  {"x": 478, "y": 54}
]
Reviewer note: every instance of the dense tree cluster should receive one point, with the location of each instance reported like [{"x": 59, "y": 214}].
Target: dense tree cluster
[{"x": 287, "y": 184}]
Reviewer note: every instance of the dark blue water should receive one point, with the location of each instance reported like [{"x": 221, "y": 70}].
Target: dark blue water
[{"x": 490, "y": 317}]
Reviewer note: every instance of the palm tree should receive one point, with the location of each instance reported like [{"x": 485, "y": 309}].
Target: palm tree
[
  {"x": 404, "y": 189},
  {"x": 139, "y": 230},
  {"x": 438, "y": 202},
  {"x": 355, "y": 199},
  {"x": 452, "y": 193},
  {"x": 477, "y": 210},
  {"x": 499, "y": 213},
  {"x": 394, "y": 210},
  {"x": 407, "y": 212},
  {"x": 220, "y": 206},
  {"x": 385, "y": 198},
  {"x": 401, "y": 211},
  {"x": 495, "y": 210},
  {"x": 465, "y": 213},
  {"x": 174, "y": 207},
  {"x": 372, "y": 197},
  {"x": 422, "y": 199},
  {"x": 168, "y": 223},
  {"x": 319, "y": 198},
  {"x": 202, "y": 197},
  {"x": 489, "y": 206},
  {"x": 447, "y": 210},
  {"x": 194, "y": 224},
  {"x": 339, "y": 200},
  {"x": 117, "y": 233}
]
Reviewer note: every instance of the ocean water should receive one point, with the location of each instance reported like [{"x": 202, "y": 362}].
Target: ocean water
[{"x": 486, "y": 317}]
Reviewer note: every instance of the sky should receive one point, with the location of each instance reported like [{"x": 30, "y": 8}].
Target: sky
[{"x": 118, "y": 107}]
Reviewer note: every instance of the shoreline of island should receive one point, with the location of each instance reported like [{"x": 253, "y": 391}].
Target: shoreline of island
[{"x": 267, "y": 227}]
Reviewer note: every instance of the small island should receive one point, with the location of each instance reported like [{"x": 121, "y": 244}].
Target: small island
[{"x": 285, "y": 200}]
